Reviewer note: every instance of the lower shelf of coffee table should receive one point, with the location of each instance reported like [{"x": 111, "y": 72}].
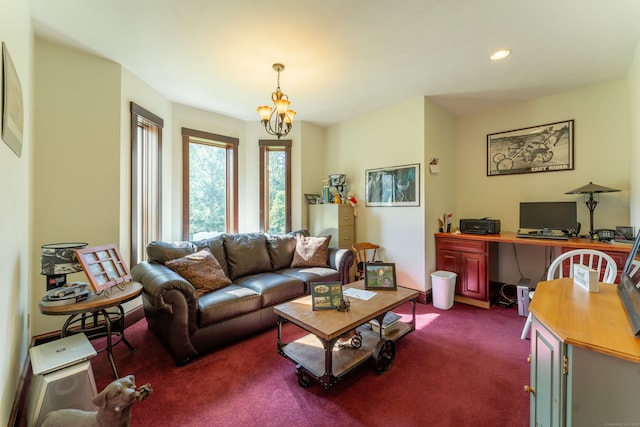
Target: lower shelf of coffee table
[{"x": 308, "y": 351}]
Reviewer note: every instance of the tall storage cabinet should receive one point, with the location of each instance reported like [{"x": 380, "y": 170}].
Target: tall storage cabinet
[{"x": 336, "y": 220}]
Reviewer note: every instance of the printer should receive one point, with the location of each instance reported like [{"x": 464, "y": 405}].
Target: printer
[{"x": 480, "y": 226}]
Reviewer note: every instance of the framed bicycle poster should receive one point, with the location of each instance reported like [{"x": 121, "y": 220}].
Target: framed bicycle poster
[{"x": 544, "y": 148}]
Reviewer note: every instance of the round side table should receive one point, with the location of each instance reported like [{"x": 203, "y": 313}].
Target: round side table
[{"x": 94, "y": 317}]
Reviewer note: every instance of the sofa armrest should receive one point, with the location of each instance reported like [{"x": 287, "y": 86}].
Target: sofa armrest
[
  {"x": 341, "y": 260},
  {"x": 158, "y": 280}
]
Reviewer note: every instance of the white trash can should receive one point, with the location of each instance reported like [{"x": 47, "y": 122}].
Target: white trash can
[{"x": 443, "y": 285}]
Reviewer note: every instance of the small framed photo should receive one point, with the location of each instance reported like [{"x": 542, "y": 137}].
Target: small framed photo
[
  {"x": 326, "y": 295},
  {"x": 380, "y": 276},
  {"x": 625, "y": 232},
  {"x": 312, "y": 199}
]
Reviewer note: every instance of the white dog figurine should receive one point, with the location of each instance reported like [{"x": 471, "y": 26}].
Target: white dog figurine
[{"x": 113, "y": 403}]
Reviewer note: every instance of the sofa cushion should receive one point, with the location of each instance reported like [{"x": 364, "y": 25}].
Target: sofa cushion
[
  {"x": 273, "y": 288},
  {"x": 312, "y": 274},
  {"x": 225, "y": 303},
  {"x": 202, "y": 270},
  {"x": 246, "y": 254},
  {"x": 281, "y": 249},
  {"x": 162, "y": 252},
  {"x": 311, "y": 251},
  {"x": 216, "y": 247}
]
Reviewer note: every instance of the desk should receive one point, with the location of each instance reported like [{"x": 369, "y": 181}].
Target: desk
[
  {"x": 584, "y": 357},
  {"x": 105, "y": 322},
  {"x": 474, "y": 258}
]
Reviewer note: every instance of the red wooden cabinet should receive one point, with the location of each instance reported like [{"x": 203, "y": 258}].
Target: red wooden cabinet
[{"x": 472, "y": 263}]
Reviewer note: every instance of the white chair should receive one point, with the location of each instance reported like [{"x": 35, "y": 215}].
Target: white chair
[{"x": 596, "y": 260}]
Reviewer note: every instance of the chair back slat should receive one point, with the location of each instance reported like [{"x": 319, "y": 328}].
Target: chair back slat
[{"x": 599, "y": 261}]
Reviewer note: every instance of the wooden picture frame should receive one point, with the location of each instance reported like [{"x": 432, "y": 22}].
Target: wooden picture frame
[
  {"x": 103, "y": 266},
  {"x": 393, "y": 186},
  {"x": 312, "y": 199},
  {"x": 11, "y": 104},
  {"x": 544, "y": 148},
  {"x": 326, "y": 295},
  {"x": 380, "y": 276}
]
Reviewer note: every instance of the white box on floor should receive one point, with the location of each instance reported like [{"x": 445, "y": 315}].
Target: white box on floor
[
  {"x": 62, "y": 377},
  {"x": 522, "y": 292}
]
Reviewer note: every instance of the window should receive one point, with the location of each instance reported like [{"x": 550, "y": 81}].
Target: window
[
  {"x": 275, "y": 186},
  {"x": 210, "y": 184},
  {"x": 146, "y": 184}
]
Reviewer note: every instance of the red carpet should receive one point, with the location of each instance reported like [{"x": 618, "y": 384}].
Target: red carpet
[{"x": 461, "y": 367}]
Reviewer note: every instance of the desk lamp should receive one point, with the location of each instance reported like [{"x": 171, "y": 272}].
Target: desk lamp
[
  {"x": 589, "y": 189},
  {"x": 58, "y": 260}
]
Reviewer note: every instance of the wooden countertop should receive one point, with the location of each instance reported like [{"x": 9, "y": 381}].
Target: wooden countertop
[
  {"x": 594, "y": 321},
  {"x": 510, "y": 237}
]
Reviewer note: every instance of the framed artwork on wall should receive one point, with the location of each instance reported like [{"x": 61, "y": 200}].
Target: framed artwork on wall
[
  {"x": 393, "y": 186},
  {"x": 11, "y": 104},
  {"x": 543, "y": 148}
]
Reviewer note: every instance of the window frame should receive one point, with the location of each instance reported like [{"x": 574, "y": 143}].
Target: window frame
[
  {"x": 266, "y": 146},
  {"x": 231, "y": 145},
  {"x": 141, "y": 235}
]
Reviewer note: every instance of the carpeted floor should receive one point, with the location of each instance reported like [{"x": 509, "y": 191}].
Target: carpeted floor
[{"x": 461, "y": 367}]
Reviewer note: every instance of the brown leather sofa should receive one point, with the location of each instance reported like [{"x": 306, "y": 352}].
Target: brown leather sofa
[{"x": 258, "y": 264}]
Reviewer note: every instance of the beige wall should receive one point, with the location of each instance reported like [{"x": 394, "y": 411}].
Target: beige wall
[
  {"x": 440, "y": 195},
  {"x": 76, "y": 157},
  {"x": 15, "y": 214},
  {"x": 634, "y": 157},
  {"x": 602, "y": 145},
  {"x": 312, "y": 161},
  {"x": 392, "y": 136}
]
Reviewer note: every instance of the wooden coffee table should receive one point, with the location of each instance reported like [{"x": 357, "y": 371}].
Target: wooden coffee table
[{"x": 316, "y": 355}]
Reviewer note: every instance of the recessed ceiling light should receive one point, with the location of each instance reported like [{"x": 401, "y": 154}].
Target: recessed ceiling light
[{"x": 500, "y": 54}]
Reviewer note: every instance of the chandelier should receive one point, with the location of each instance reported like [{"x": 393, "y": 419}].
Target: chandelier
[{"x": 277, "y": 121}]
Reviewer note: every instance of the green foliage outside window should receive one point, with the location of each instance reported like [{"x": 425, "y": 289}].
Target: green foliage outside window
[
  {"x": 208, "y": 188},
  {"x": 277, "y": 187}
]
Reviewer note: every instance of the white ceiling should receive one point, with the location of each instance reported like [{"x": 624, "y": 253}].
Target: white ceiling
[{"x": 344, "y": 58}]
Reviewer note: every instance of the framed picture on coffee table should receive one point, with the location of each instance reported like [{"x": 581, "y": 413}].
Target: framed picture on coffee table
[
  {"x": 326, "y": 295},
  {"x": 380, "y": 276}
]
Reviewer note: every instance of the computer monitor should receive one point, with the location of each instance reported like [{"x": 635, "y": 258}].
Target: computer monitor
[
  {"x": 548, "y": 215},
  {"x": 628, "y": 289}
]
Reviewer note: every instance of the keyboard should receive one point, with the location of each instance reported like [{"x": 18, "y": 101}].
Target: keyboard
[{"x": 543, "y": 236}]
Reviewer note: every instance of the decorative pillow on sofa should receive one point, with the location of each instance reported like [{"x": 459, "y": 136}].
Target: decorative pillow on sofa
[
  {"x": 247, "y": 254},
  {"x": 202, "y": 270},
  {"x": 281, "y": 249},
  {"x": 311, "y": 251},
  {"x": 162, "y": 252}
]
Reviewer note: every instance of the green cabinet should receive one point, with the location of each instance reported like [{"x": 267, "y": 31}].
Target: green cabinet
[
  {"x": 575, "y": 386},
  {"x": 548, "y": 377}
]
